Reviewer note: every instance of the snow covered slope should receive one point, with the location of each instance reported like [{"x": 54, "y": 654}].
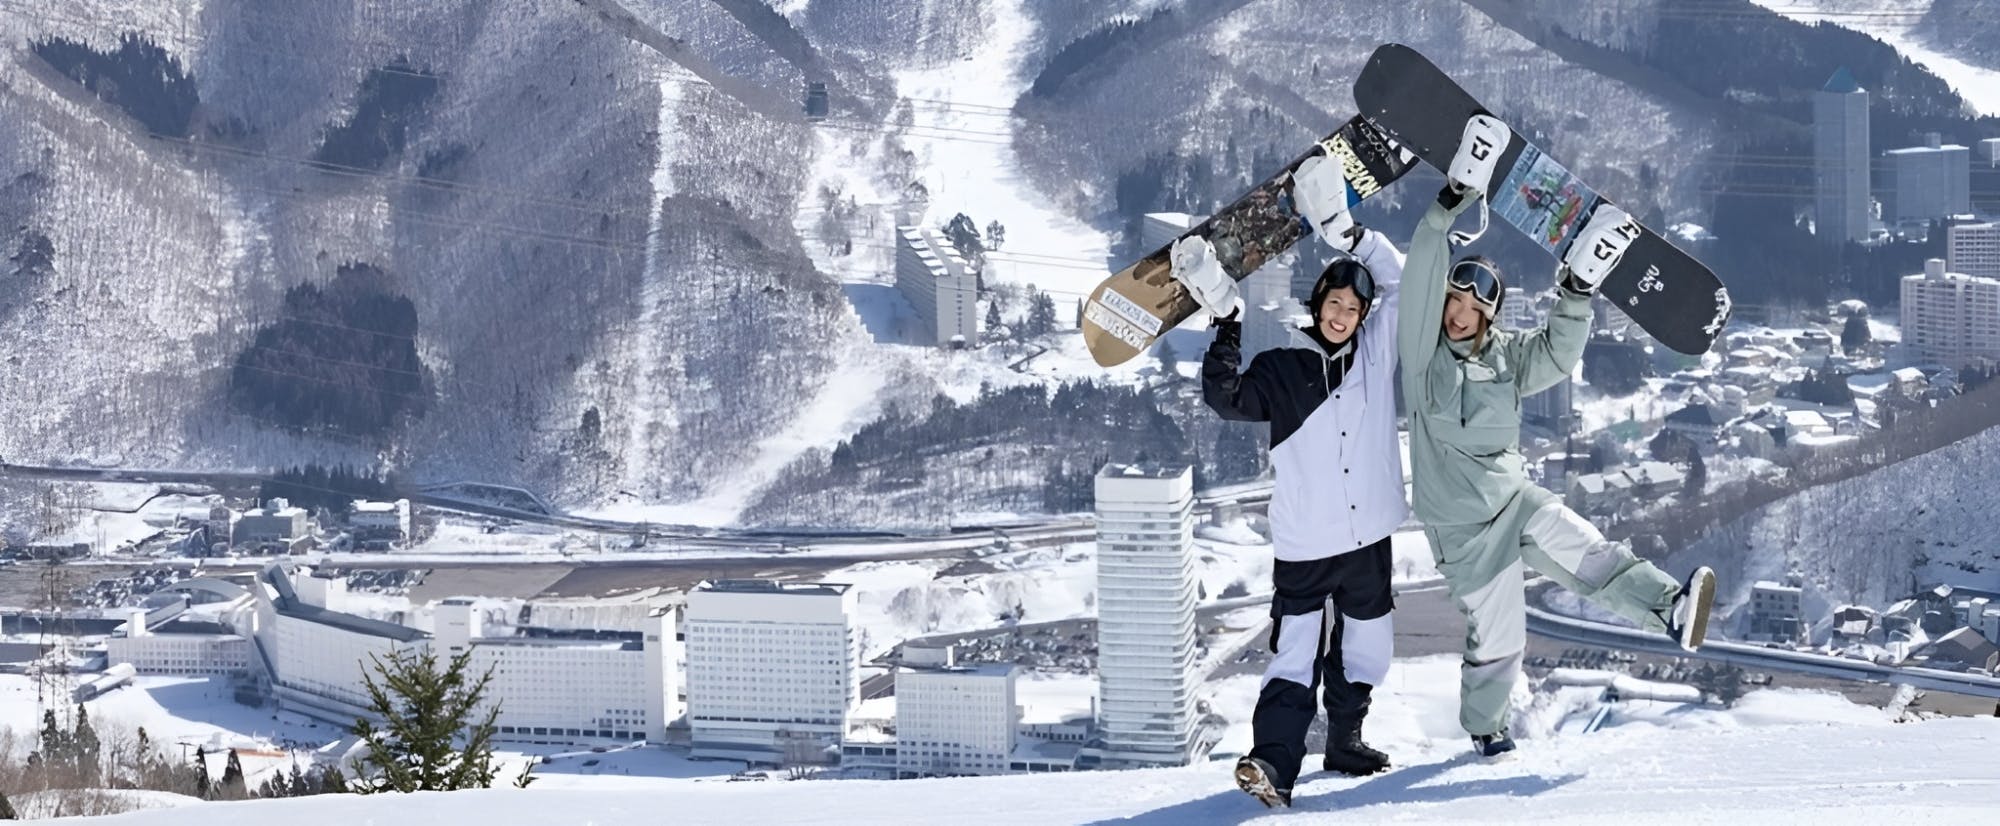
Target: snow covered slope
[
  {"x": 1958, "y": 40},
  {"x": 1765, "y": 762}
]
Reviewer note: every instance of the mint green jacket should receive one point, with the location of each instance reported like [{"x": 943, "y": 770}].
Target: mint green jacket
[{"x": 1465, "y": 410}]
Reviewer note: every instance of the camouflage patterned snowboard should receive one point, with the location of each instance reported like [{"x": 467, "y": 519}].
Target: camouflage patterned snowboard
[{"x": 1132, "y": 308}]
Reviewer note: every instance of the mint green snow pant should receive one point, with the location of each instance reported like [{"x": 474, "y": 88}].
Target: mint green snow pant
[{"x": 1482, "y": 566}]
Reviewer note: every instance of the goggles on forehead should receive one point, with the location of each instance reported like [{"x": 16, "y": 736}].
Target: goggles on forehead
[{"x": 1349, "y": 273}]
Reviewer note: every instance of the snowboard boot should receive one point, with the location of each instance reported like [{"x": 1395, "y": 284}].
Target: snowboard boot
[
  {"x": 1254, "y": 776},
  {"x": 1346, "y": 706},
  {"x": 1491, "y": 746},
  {"x": 1687, "y": 621},
  {"x": 1348, "y": 755}
]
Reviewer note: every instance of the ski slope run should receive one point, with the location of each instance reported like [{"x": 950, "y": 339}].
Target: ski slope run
[{"x": 1874, "y": 772}]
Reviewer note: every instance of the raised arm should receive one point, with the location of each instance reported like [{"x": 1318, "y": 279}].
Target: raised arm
[
  {"x": 1385, "y": 264},
  {"x": 1546, "y": 355},
  {"x": 1420, "y": 303},
  {"x": 1242, "y": 397}
]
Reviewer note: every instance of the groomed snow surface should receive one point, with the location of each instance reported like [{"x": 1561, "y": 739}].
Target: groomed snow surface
[{"x": 1778, "y": 757}]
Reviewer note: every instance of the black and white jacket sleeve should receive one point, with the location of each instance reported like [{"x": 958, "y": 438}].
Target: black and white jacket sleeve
[{"x": 1245, "y": 396}]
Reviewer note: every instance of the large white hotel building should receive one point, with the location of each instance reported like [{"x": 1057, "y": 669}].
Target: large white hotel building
[
  {"x": 1145, "y": 609},
  {"x": 773, "y": 670}
]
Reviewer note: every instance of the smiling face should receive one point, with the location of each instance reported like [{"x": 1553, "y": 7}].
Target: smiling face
[
  {"x": 1339, "y": 314},
  {"x": 1462, "y": 319}
]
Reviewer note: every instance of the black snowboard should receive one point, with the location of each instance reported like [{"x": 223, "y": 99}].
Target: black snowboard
[{"x": 1676, "y": 299}]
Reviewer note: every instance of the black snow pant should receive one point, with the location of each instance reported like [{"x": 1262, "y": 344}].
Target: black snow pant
[{"x": 1346, "y": 648}]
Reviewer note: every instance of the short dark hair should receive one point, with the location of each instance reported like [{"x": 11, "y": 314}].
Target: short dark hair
[{"x": 1343, "y": 272}]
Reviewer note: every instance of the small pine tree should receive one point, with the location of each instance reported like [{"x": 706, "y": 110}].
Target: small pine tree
[
  {"x": 233, "y": 786},
  {"x": 992, "y": 316},
  {"x": 1855, "y": 335},
  {"x": 1697, "y": 475},
  {"x": 1041, "y": 316},
  {"x": 202, "y": 788},
  {"x": 430, "y": 739},
  {"x": 297, "y": 786},
  {"x": 332, "y": 782},
  {"x": 85, "y": 746},
  {"x": 1169, "y": 360}
]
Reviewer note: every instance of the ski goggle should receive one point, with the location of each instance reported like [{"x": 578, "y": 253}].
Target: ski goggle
[
  {"x": 1480, "y": 280},
  {"x": 1349, "y": 273}
]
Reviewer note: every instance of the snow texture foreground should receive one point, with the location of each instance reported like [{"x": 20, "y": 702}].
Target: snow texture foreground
[{"x": 1851, "y": 773}]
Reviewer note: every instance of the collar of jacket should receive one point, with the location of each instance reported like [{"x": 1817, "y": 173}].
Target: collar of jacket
[{"x": 1309, "y": 338}]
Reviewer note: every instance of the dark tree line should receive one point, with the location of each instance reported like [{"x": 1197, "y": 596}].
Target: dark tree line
[
  {"x": 1735, "y": 49},
  {"x": 391, "y": 99},
  {"x": 1054, "y": 441},
  {"x": 139, "y": 78},
  {"x": 342, "y": 358},
  {"x": 316, "y": 486},
  {"x": 1072, "y": 59}
]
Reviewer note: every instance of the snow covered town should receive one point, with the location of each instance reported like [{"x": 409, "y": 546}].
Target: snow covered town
[{"x": 999, "y": 411}]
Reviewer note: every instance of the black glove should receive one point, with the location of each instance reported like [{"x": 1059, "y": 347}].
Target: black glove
[
  {"x": 1575, "y": 286},
  {"x": 1451, "y": 196}
]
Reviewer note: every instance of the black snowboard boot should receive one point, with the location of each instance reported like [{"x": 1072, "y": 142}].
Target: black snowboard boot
[
  {"x": 1347, "y": 754},
  {"x": 1491, "y": 746},
  {"x": 1255, "y": 777},
  {"x": 1346, "y": 706}
]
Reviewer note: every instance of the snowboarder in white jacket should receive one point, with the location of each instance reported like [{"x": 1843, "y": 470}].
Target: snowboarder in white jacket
[
  {"x": 1463, "y": 381},
  {"x": 1329, "y": 398}
]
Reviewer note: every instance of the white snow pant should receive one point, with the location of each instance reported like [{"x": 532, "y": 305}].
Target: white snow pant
[{"x": 1484, "y": 567}]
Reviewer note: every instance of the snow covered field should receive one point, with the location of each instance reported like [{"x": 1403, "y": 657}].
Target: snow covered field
[
  {"x": 1777, "y": 757},
  {"x": 178, "y": 712}
]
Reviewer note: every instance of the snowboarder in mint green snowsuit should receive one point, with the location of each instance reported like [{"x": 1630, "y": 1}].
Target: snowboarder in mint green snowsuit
[{"x": 1463, "y": 381}]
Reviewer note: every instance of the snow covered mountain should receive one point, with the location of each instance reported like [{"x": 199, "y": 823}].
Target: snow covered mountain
[
  {"x": 587, "y": 248},
  {"x": 594, "y": 249}
]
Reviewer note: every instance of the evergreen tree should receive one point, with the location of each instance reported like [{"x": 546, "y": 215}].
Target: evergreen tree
[
  {"x": 297, "y": 787},
  {"x": 7, "y": 809},
  {"x": 1041, "y": 315},
  {"x": 1697, "y": 475},
  {"x": 202, "y": 788},
  {"x": 58, "y": 747},
  {"x": 963, "y": 233},
  {"x": 1169, "y": 360},
  {"x": 332, "y": 781},
  {"x": 86, "y": 748},
  {"x": 1855, "y": 335},
  {"x": 992, "y": 316},
  {"x": 433, "y": 737},
  {"x": 233, "y": 786},
  {"x": 995, "y": 235}
]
